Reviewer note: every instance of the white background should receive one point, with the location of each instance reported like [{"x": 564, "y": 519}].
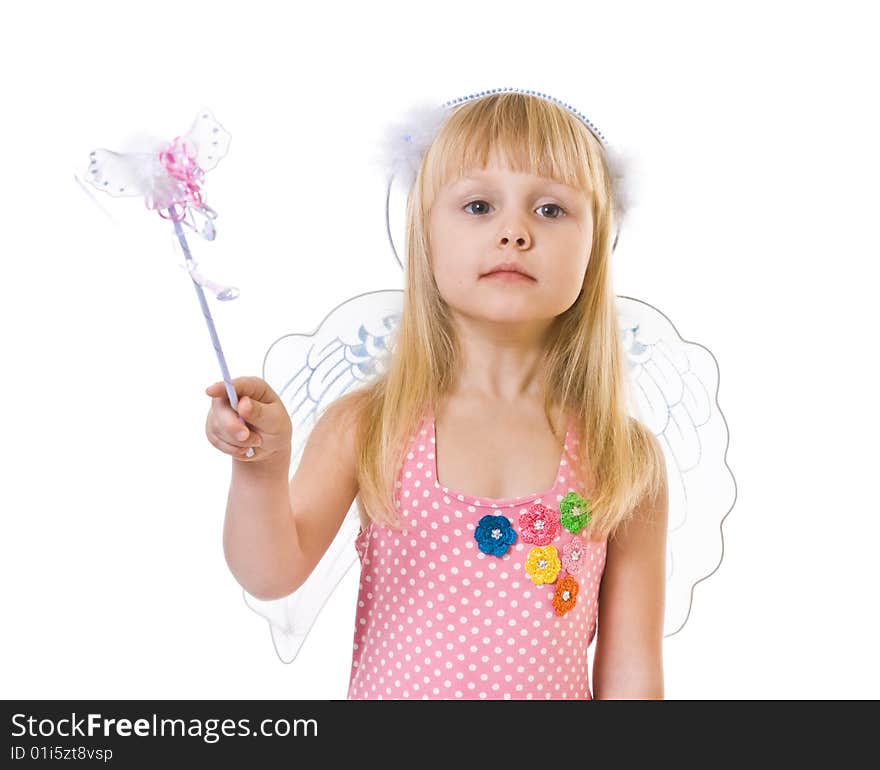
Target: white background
[{"x": 754, "y": 129}]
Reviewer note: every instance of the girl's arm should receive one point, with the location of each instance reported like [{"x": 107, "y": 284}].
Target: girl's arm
[
  {"x": 628, "y": 663},
  {"x": 277, "y": 529}
]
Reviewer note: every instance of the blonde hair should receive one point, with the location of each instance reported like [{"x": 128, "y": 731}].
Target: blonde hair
[{"x": 583, "y": 361}]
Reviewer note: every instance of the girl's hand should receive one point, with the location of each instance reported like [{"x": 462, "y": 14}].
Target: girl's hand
[{"x": 267, "y": 424}]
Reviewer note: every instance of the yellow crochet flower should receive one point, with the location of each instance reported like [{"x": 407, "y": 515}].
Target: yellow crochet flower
[{"x": 542, "y": 564}]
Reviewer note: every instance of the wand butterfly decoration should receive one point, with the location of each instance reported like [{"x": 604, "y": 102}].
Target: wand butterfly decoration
[{"x": 169, "y": 175}]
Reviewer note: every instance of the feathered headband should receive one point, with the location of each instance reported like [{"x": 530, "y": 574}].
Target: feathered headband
[{"x": 406, "y": 142}]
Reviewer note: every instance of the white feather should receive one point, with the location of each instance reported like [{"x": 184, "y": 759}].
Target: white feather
[
  {"x": 405, "y": 142},
  {"x": 620, "y": 166}
]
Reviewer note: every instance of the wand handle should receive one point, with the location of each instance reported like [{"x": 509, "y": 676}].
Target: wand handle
[{"x": 206, "y": 312}]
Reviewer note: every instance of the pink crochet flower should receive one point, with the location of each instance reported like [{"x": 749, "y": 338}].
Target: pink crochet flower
[
  {"x": 574, "y": 555},
  {"x": 539, "y": 524}
]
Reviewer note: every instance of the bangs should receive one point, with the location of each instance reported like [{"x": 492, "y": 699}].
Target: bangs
[{"x": 529, "y": 134}]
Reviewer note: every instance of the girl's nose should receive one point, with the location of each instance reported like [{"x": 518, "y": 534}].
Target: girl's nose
[{"x": 521, "y": 240}]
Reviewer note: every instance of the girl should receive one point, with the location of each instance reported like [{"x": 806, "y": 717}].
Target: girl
[{"x": 506, "y": 377}]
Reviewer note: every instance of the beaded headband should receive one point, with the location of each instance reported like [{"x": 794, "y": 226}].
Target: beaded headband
[
  {"x": 406, "y": 143},
  {"x": 583, "y": 118}
]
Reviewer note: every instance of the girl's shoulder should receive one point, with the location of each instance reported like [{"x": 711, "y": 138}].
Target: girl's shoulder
[{"x": 348, "y": 409}]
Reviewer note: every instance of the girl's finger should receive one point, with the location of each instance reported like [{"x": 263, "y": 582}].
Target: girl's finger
[
  {"x": 236, "y": 432},
  {"x": 254, "y": 413},
  {"x": 239, "y": 435},
  {"x": 231, "y": 449},
  {"x": 229, "y": 428},
  {"x": 250, "y": 409}
]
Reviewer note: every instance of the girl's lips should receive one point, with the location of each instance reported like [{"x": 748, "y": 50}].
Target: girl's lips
[{"x": 509, "y": 276}]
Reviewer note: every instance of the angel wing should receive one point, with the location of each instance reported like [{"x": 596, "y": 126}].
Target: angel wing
[
  {"x": 673, "y": 385},
  {"x": 308, "y": 372},
  {"x": 670, "y": 383}
]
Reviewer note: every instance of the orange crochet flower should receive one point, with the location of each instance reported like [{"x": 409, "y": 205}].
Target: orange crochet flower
[
  {"x": 542, "y": 564},
  {"x": 565, "y": 595}
]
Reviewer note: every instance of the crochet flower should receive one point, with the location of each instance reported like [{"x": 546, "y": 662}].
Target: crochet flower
[
  {"x": 494, "y": 534},
  {"x": 574, "y": 554},
  {"x": 542, "y": 564},
  {"x": 539, "y": 524},
  {"x": 565, "y": 595},
  {"x": 574, "y": 512}
]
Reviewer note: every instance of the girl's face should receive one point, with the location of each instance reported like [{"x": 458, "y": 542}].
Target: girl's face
[{"x": 495, "y": 215}]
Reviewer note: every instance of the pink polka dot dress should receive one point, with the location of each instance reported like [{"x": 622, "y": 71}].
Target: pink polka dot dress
[{"x": 477, "y": 598}]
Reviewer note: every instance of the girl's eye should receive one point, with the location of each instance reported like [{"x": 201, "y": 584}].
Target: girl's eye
[
  {"x": 553, "y": 206},
  {"x": 474, "y": 202},
  {"x": 545, "y": 206}
]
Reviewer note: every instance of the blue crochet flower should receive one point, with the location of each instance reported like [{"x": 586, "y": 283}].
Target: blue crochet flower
[{"x": 494, "y": 535}]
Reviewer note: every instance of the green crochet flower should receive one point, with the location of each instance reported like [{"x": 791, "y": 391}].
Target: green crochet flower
[{"x": 574, "y": 512}]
